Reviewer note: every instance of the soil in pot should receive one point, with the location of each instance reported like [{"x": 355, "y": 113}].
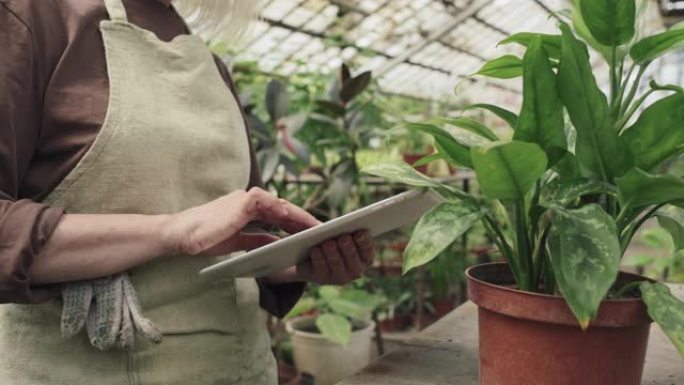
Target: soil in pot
[{"x": 528, "y": 338}]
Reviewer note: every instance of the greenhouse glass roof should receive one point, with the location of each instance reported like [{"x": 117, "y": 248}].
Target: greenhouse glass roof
[{"x": 419, "y": 48}]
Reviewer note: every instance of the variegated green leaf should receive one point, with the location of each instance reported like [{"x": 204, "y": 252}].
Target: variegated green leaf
[
  {"x": 335, "y": 328},
  {"x": 666, "y": 310},
  {"x": 403, "y": 173},
  {"x": 564, "y": 192},
  {"x": 438, "y": 228},
  {"x": 508, "y": 170},
  {"x": 585, "y": 253}
]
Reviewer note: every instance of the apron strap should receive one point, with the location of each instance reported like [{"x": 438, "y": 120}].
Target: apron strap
[{"x": 116, "y": 10}]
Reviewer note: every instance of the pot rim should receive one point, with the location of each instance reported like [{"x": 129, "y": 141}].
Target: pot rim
[
  {"x": 291, "y": 329},
  {"x": 545, "y": 308},
  {"x": 469, "y": 275}
]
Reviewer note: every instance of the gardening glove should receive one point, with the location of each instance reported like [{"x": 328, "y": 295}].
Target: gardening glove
[{"x": 109, "y": 310}]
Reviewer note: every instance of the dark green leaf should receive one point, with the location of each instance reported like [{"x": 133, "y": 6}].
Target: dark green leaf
[
  {"x": 583, "y": 31},
  {"x": 504, "y": 67},
  {"x": 567, "y": 167},
  {"x": 671, "y": 218},
  {"x": 552, "y": 43},
  {"x": 504, "y": 114},
  {"x": 430, "y": 158},
  {"x": 600, "y": 151},
  {"x": 508, "y": 170},
  {"x": 658, "y": 133},
  {"x": 468, "y": 124},
  {"x": 611, "y": 22},
  {"x": 585, "y": 253},
  {"x": 666, "y": 310},
  {"x": 438, "y": 229},
  {"x": 335, "y": 328},
  {"x": 355, "y": 86},
  {"x": 345, "y": 74},
  {"x": 331, "y": 108},
  {"x": 269, "y": 161},
  {"x": 638, "y": 189},
  {"x": 541, "y": 119},
  {"x": 277, "y": 100},
  {"x": 458, "y": 152},
  {"x": 653, "y": 47}
]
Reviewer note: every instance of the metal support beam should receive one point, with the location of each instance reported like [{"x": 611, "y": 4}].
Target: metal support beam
[{"x": 460, "y": 18}]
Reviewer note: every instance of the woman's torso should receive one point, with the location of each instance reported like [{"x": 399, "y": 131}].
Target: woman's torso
[
  {"x": 72, "y": 71},
  {"x": 212, "y": 329}
]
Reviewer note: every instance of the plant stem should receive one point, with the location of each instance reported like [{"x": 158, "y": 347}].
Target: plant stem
[
  {"x": 626, "y": 288},
  {"x": 634, "y": 89},
  {"x": 538, "y": 254},
  {"x": 613, "y": 76},
  {"x": 628, "y": 115},
  {"x": 630, "y": 231},
  {"x": 617, "y": 108},
  {"x": 495, "y": 233},
  {"x": 523, "y": 245}
]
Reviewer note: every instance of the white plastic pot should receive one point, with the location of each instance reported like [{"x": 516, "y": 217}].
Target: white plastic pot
[{"x": 327, "y": 361}]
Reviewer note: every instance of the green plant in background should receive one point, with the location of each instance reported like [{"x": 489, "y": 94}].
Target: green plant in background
[
  {"x": 337, "y": 309},
  {"x": 563, "y": 205},
  {"x": 340, "y": 125},
  {"x": 663, "y": 261}
]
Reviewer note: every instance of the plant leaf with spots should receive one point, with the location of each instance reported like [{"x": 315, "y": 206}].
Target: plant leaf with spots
[
  {"x": 403, "y": 173},
  {"x": 585, "y": 254},
  {"x": 666, "y": 310},
  {"x": 439, "y": 228}
]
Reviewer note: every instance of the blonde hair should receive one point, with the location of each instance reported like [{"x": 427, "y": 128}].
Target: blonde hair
[{"x": 227, "y": 19}]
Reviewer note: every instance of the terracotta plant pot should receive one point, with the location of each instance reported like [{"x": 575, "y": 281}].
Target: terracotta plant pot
[
  {"x": 528, "y": 338},
  {"x": 413, "y": 158}
]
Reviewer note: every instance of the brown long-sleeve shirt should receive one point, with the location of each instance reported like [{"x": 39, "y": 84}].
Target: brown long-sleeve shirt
[{"x": 53, "y": 99}]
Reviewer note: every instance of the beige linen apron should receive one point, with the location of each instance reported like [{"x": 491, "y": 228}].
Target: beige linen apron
[{"x": 173, "y": 138}]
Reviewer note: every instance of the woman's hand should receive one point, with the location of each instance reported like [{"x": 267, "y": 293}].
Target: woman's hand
[
  {"x": 216, "y": 228},
  {"x": 334, "y": 262}
]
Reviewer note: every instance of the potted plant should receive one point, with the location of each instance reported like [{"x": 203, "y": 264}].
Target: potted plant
[
  {"x": 562, "y": 200},
  {"x": 335, "y": 339}
]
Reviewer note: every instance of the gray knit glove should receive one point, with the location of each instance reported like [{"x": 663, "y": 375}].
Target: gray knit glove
[{"x": 110, "y": 311}]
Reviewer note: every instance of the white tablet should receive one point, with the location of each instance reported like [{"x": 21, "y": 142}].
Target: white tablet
[{"x": 377, "y": 218}]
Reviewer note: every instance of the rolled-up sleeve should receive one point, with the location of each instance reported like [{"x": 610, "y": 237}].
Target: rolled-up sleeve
[{"x": 25, "y": 226}]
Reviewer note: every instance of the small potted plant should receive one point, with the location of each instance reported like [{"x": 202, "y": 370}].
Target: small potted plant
[
  {"x": 335, "y": 339},
  {"x": 562, "y": 200}
]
